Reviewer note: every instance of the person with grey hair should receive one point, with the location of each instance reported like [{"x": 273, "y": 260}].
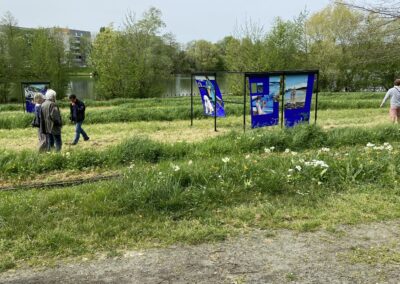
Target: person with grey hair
[
  {"x": 51, "y": 121},
  {"x": 38, "y": 99}
]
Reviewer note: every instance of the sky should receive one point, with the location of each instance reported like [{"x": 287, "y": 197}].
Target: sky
[{"x": 187, "y": 19}]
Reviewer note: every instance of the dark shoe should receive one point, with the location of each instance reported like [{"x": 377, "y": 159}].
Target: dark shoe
[
  {"x": 72, "y": 144},
  {"x": 86, "y": 139}
]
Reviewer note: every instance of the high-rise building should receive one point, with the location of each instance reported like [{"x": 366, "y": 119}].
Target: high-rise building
[{"x": 77, "y": 42}]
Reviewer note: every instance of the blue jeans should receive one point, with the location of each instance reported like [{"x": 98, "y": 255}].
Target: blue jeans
[
  {"x": 78, "y": 131},
  {"x": 54, "y": 140}
]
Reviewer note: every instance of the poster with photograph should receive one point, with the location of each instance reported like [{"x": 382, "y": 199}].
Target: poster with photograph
[
  {"x": 298, "y": 97},
  {"x": 264, "y": 100},
  {"x": 211, "y": 96},
  {"x": 29, "y": 91}
]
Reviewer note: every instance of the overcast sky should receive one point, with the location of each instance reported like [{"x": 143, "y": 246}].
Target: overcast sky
[{"x": 186, "y": 19}]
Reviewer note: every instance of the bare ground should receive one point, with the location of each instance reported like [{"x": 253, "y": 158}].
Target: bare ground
[{"x": 367, "y": 253}]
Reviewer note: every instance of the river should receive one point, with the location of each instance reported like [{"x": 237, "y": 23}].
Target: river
[{"x": 85, "y": 87}]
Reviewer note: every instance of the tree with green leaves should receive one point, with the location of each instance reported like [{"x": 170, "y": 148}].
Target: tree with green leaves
[{"x": 133, "y": 62}]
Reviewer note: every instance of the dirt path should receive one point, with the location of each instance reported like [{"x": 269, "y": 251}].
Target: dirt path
[{"x": 359, "y": 254}]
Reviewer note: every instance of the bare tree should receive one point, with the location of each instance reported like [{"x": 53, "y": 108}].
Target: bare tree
[{"x": 388, "y": 9}]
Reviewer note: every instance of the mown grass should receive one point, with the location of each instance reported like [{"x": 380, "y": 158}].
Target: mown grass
[
  {"x": 170, "y": 109},
  {"x": 104, "y": 135},
  {"x": 200, "y": 200}
]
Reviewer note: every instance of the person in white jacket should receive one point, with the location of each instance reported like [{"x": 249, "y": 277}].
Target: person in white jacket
[{"x": 394, "y": 95}]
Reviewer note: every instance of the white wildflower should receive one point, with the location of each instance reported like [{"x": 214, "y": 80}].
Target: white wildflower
[
  {"x": 266, "y": 150},
  {"x": 298, "y": 168},
  {"x": 316, "y": 163},
  {"x": 176, "y": 168},
  {"x": 379, "y": 148},
  {"x": 388, "y": 146},
  {"x": 370, "y": 145},
  {"x": 272, "y": 148},
  {"x": 190, "y": 162},
  {"x": 247, "y": 157},
  {"x": 287, "y": 151},
  {"x": 324, "y": 149},
  {"x": 291, "y": 170},
  {"x": 226, "y": 160}
]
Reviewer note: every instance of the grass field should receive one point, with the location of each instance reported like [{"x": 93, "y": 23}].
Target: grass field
[{"x": 183, "y": 184}]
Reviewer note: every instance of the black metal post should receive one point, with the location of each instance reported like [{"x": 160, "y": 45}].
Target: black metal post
[
  {"x": 316, "y": 99},
  {"x": 283, "y": 77},
  {"x": 23, "y": 98},
  {"x": 191, "y": 99},
  {"x": 244, "y": 102},
  {"x": 215, "y": 105}
]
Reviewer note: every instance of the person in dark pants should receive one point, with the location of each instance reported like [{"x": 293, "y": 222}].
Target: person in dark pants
[
  {"x": 38, "y": 99},
  {"x": 77, "y": 108},
  {"x": 51, "y": 122}
]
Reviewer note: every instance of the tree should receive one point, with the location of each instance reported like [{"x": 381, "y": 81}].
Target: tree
[
  {"x": 332, "y": 33},
  {"x": 48, "y": 59},
  {"x": 285, "y": 44},
  {"x": 387, "y": 9},
  {"x": 203, "y": 55},
  {"x": 134, "y": 61},
  {"x": 13, "y": 56}
]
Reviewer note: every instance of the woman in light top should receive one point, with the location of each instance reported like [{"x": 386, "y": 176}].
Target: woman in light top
[{"x": 394, "y": 95}]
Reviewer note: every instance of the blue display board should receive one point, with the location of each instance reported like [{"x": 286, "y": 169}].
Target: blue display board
[
  {"x": 297, "y": 98},
  {"x": 210, "y": 95},
  {"x": 29, "y": 91},
  {"x": 264, "y": 100}
]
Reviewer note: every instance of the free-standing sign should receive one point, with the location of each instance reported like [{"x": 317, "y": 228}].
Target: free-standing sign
[
  {"x": 29, "y": 90},
  {"x": 264, "y": 100},
  {"x": 297, "y": 98},
  {"x": 211, "y": 96}
]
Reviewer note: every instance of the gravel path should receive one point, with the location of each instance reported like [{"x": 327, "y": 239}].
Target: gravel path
[{"x": 280, "y": 256}]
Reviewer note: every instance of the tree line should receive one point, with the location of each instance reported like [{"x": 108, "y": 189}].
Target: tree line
[
  {"x": 354, "y": 49},
  {"x": 32, "y": 55}
]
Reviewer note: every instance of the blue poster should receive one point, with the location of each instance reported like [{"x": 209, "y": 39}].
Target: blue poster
[
  {"x": 298, "y": 97},
  {"x": 30, "y": 89},
  {"x": 211, "y": 96},
  {"x": 264, "y": 100}
]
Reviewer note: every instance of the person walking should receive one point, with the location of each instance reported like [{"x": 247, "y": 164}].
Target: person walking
[
  {"x": 394, "y": 95},
  {"x": 38, "y": 99},
  {"x": 77, "y": 117},
  {"x": 51, "y": 121}
]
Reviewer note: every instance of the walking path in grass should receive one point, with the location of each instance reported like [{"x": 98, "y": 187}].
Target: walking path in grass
[{"x": 368, "y": 253}]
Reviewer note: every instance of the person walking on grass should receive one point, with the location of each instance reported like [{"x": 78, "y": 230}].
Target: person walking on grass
[
  {"x": 51, "y": 121},
  {"x": 394, "y": 95},
  {"x": 77, "y": 117},
  {"x": 38, "y": 99}
]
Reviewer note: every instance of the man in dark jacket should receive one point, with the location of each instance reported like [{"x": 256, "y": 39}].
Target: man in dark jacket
[
  {"x": 50, "y": 121},
  {"x": 77, "y": 108}
]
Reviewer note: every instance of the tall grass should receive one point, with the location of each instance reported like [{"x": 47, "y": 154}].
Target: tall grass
[{"x": 142, "y": 149}]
